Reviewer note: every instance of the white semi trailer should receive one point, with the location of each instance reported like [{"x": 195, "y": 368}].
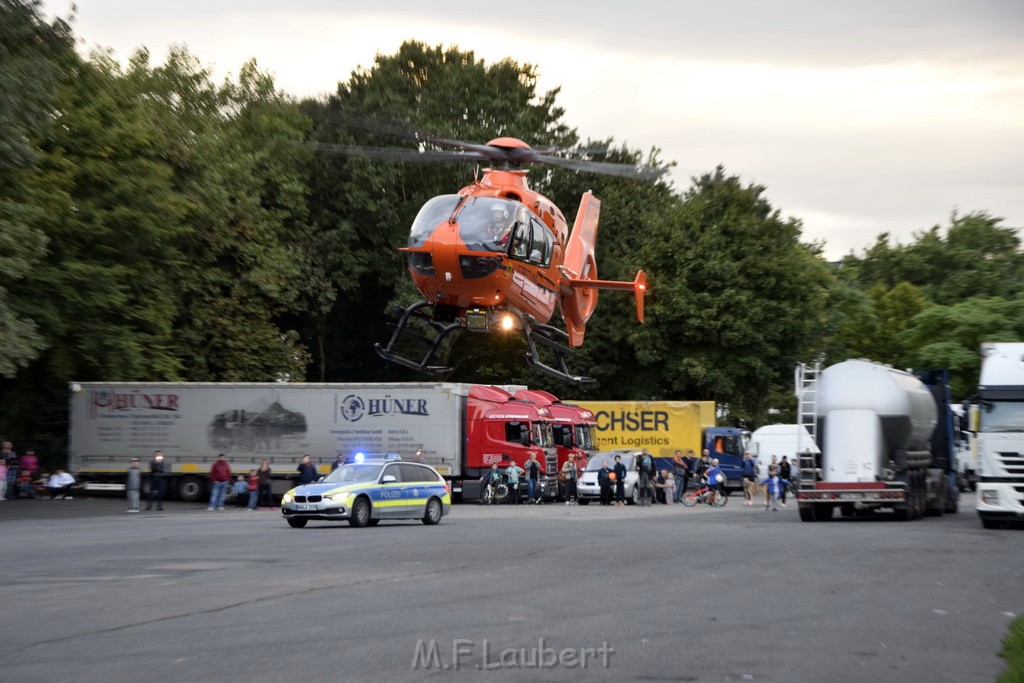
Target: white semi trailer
[
  {"x": 880, "y": 445},
  {"x": 997, "y": 417}
]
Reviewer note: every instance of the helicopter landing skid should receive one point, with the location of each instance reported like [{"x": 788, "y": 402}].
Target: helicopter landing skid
[
  {"x": 389, "y": 354},
  {"x": 555, "y": 340}
]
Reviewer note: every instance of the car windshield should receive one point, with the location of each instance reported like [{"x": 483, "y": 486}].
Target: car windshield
[
  {"x": 596, "y": 462},
  {"x": 353, "y": 473}
]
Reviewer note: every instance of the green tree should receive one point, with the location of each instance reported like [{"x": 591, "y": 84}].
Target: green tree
[
  {"x": 244, "y": 274},
  {"x": 34, "y": 59},
  {"x": 736, "y": 299},
  {"x": 951, "y": 336},
  {"x": 974, "y": 256}
]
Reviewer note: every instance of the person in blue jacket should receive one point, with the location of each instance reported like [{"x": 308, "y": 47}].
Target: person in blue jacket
[
  {"x": 774, "y": 489},
  {"x": 714, "y": 485}
]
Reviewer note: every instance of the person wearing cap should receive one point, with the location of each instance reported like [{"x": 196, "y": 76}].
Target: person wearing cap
[{"x": 133, "y": 485}]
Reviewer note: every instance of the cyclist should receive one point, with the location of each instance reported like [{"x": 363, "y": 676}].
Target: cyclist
[{"x": 713, "y": 484}]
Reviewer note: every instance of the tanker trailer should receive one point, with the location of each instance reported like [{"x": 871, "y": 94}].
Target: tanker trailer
[{"x": 874, "y": 425}]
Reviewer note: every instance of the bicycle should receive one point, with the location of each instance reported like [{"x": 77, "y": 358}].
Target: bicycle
[
  {"x": 494, "y": 493},
  {"x": 691, "y": 498}
]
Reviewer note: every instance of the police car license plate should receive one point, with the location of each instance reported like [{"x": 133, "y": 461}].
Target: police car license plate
[{"x": 305, "y": 507}]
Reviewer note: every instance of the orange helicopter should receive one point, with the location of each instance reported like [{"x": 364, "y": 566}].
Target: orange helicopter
[{"x": 498, "y": 256}]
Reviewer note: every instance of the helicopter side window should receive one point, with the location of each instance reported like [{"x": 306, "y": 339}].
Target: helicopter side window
[
  {"x": 433, "y": 212},
  {"x": 540, "y": 249}
]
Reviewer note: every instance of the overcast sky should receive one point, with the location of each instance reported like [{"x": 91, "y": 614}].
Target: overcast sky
[{"x": 859, "y": 117}]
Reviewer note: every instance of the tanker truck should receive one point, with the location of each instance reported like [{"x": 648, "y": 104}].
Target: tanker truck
[
  {"x": 997, "y": 420},
  {"x": 886, "y": 443}
]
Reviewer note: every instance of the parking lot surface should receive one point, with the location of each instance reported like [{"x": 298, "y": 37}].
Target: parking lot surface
[{"x": 502, "y": 593}]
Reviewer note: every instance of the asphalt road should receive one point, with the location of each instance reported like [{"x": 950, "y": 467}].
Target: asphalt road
[{"x": 665, "y": 593}]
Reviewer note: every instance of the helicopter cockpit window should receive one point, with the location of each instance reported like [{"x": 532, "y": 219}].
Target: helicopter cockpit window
[
  {"x": 485, "y": 223},
  {"x": 433, "y": 212}
]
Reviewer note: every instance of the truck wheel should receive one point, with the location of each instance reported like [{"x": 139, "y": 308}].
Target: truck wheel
[
  {"x": 297, "y": 523},
  {"x": 360, "y": 513},
  {"x": 902, "y": 514},
  {"x": 807, "y": 514},
  {"x": 823, "y": 512},
  {"x": 846, "y": 510},
  {"x": 191, "y": 489}
]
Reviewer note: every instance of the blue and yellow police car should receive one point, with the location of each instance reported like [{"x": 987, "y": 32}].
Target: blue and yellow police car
[{"x": 368, "y": 491}]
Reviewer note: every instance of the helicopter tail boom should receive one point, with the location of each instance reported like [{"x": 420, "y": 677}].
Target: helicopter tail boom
[{"x": 638, "y": 286}]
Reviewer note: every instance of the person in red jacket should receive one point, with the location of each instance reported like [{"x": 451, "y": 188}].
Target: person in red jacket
[{"x": 220, "y": 475}]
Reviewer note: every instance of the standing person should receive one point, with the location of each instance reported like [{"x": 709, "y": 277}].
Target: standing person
[
  {"x": 620, "y": 481},
  {"x": 11, "y": 459},
  {"x": 266, "y": 485},
  {"x": 773, "y": 465},
  {"x": 702, "y": 466},
  {"x": 749, "y": 478},
  {"x": 569, "y": 481},
  {"x": 240, "y": 491},
  {"x": 648, "y": 471},
  {"x": 157, "y": 481},
  {"x": 338, "y": 461},
  {"x": 220, "y": 476},
  {"x": 604, "y": 480},
  {"x": 775, "y": 485},
  {"x": 3, "y": 479},
  {"x": 512, "y": 472},
  {"x": 418, "y": 455},
  {"x": 30, "y": 463},
  {"x": 784, "y": 474},
  {"x": 682, "y": 470},
  {"x": 254, "y": 489},
  {"x": 133, "y": 485},
  {"x": 691, "y": 464},
  {"x": 307, "y": 470},
  {"x": 533, "y": 479}
]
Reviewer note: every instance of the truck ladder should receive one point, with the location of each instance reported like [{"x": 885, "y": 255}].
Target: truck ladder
[{"x": 806, "y": 387}]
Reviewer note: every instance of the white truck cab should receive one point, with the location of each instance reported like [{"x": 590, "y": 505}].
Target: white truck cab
[{"x": 997, "y": 419}]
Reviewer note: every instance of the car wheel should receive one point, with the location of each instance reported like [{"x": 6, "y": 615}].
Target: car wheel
[
  {"x": 989, "y": 523},
  {"x": 433, "y": 514},
  {"x": 297, "y": 523},
  {"x": 634, "y": 496},
  {"x": 360, "y": 513}
]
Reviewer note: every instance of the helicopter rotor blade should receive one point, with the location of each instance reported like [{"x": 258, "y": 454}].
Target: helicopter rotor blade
[
  {"x": 395, "y": 154},
  {"x": 604, "y": 167}
]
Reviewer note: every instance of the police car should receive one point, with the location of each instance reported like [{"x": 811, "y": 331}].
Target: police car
[{"x": 367, "y": 491}]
